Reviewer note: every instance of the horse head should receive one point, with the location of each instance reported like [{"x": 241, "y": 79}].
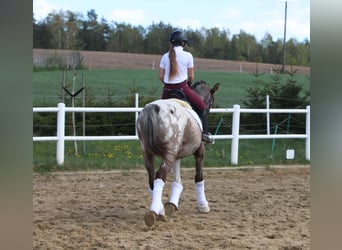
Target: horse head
[{"x": 205, "y": 92}]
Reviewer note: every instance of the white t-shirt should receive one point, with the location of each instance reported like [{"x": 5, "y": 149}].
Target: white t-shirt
[{"x": 184, "y": 61}]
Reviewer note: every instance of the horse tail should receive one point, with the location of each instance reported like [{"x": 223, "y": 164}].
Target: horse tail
[{"x": 150, "y": 122}]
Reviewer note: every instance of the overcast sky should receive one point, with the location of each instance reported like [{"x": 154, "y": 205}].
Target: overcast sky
[{"x": 256, "y": 17}]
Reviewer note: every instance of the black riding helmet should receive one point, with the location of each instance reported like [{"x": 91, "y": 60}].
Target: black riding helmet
[{"x": 177, "y": 37}]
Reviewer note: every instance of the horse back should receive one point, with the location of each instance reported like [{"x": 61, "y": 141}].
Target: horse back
[{"x": 168, "y": 129}]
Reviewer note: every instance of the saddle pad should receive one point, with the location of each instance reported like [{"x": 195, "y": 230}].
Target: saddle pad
[
  {"x": 195, "y": 115},
  {"x": 181, "y": 102},
  {"x": 190, "y": 110}
]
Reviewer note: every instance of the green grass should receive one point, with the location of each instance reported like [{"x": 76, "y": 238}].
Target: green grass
[
  {"x": 47, "y": 89},
  {"x": 108, "y": 155},
  {"x": 47, "y": 85}
]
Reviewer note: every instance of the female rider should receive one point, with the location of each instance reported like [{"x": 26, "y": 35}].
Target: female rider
[{"x": 176, "y": 69}]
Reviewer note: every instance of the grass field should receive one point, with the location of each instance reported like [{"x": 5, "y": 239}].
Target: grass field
[{"x": 47, "y": 85}]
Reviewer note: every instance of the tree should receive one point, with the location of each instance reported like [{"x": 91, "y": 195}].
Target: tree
[
  {"x": 266, "y": 44},
  {"x": 55, "y": 24},
  {"x": 95, "y": 35},
  {"x": 41, "y": 35},
  {"x": 157, "y": 40},
  {"x": 71, "y": 31},
  {"x": 215, "y": 45},
  {"x": 275, "y": 50},
  {"x": 126, "y": 38},
  {"x": 196, "y": 45},
  {"x": 297, "y": 53},
  {"x": 63, "y": 29}
]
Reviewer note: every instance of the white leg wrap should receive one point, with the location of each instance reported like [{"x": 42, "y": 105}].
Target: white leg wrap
[
  {"x": 150, "y": 191},
  {"x": 176, "y": 191},
  {"x": 157, "y": 204},
  {"x": 202, "y": 202}
]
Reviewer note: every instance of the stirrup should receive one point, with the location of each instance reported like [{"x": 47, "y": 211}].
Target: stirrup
[{"x": 208, "y": 138}]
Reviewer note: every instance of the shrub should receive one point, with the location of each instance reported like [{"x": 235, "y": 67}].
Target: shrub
[{"x": 288, "y": 95}]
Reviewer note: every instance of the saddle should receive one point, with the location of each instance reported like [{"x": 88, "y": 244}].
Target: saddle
[
  {"x": 179, "y": 96},
  {"x": 176, "y": 93}
]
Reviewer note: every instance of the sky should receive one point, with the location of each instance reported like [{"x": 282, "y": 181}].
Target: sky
[{"x": 255, "y": 17}]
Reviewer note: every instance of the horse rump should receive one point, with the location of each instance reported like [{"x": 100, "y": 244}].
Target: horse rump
[{"x": 149, "y": 130}]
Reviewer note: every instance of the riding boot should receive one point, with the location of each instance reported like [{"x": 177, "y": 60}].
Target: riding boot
[{"x": 206, "y": 136}]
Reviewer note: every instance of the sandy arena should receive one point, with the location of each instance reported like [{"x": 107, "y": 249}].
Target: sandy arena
[{"x": 258, "y": 208}]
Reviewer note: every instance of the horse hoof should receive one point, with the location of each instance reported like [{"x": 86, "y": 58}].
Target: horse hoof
[
  {"x": 203, "y": 209},
  {"x": 162, "y": 217},
  {"x": 150, "y": 218},
  {"x": 169, "y": 208}
]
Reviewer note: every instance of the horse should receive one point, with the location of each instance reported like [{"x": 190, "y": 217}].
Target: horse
[{"x": 170, "y": 129}]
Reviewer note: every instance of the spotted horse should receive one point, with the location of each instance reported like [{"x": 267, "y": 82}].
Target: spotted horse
[{"x": 170, "y": 130}]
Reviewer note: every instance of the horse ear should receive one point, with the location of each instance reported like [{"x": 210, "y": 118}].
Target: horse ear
[{"x": 215, "y": 88}]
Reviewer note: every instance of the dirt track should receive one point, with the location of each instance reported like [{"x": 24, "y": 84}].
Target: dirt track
[{"x": 267, "y": 208}]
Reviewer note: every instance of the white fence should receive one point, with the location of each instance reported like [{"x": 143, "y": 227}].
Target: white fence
[{"x": 235, "y": 136}]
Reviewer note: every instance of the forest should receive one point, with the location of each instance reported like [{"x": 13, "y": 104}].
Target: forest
[{"x": 74, "y": 31}]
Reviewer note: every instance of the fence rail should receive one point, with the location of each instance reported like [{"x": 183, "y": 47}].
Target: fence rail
[{"x": 235, "y": 136}]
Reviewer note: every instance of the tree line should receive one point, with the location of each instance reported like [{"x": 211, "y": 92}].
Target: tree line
[{"x": 72, "y": 31}]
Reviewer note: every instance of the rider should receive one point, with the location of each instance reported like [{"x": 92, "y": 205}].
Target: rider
[{"x": 176, "y": 70}]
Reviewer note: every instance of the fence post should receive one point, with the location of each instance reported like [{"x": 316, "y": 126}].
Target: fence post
[
  {"x": 235, "y": 134},
  {"x": 268, "y": 113},
  {"x": 136, "y": 113},
  {"x": 60, "y": 133},
  {"x": 307, "y": 132}
]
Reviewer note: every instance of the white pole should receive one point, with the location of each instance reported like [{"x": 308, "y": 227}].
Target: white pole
[
  {"x": 136, "y": 113},
  {"x": 268, "y": 113},
  {"x": 83, "y": 114},
  {"x": 60, "y": 133},
  {"x": 307, "y": 141},
  {"x": 235, "y": 134}
]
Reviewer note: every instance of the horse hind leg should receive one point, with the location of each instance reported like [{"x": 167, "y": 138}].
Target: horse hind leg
[
  {"x": 149, "y": 165},
  {"x": 157, "y": 211},
  {"x": 155, "y": 190},
  {"x": 176, "y": 190}
]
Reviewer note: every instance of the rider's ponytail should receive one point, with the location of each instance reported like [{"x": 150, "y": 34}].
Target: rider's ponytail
[{"x": 173, "y": 63}]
